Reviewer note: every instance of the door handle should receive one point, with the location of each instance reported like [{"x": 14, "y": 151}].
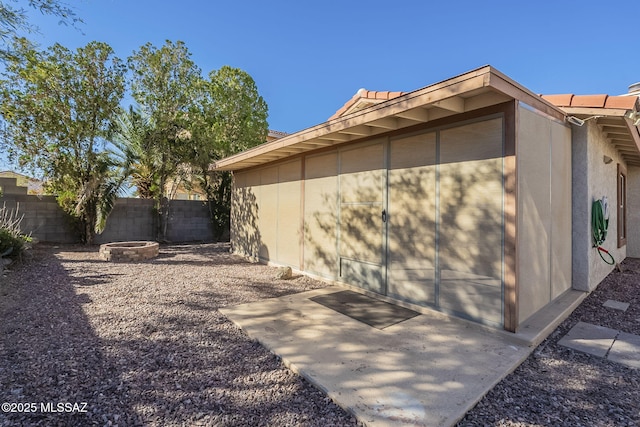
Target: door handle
[{"x": 384, "y": 215}]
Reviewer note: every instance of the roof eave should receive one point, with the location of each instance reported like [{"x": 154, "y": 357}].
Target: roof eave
[
  {"x": 476, "y": 89},
  {"x": 621, "y": 132}
]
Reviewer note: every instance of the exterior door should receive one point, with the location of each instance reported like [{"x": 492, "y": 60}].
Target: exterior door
[
  {"x": 412, "y": 220},
  {"x": 421, "y": 218},
  {"x": 362, "y": 216}
]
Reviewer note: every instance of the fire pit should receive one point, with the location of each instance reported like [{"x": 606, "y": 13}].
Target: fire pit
[{"x": 129, "y": 251}]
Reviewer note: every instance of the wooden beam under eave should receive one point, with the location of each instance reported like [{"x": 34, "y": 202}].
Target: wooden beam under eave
[
  {"x": 308, "y": 147},
  {"x": 485, "y": 99},
  {"x": 622, "y": 146},
  {"x": 388, "y": 123},
  {"x": 617, "y": 123},
  {"x": 292, "y": 149},
  {"x": 438, "y": 113},
  {"x": 622, "y": 142},
  {"x": 615, "y": 130},
  {"x": 627, "y": 147},
  {"x": 455, "y": 104},
  {"x": 336, "y": 137},
  {"x": 628, "y": 153},
  {"x": 315, "y": 144},
  {"x": 415, "y": 114},
  {"x": 361, "y": 130}
]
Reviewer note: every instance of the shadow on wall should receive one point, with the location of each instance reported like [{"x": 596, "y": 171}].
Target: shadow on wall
[
  {"x": 245, "y": 231},
  {"x": 470, "y": 238}
]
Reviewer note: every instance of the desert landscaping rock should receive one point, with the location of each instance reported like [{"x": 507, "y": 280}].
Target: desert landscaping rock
[
  {"x": 560, "y": 386},
  {"x": 143, "y": 344},
  {"x": 283, "y": 273}
]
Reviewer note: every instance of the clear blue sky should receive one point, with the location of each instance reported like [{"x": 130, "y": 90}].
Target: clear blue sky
[{"x": 309, "y": 57}]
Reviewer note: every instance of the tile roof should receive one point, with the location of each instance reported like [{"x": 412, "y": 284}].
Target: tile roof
[
  {"x": 373, "y": 96},
  {"x": 623, "y": 102},
  {"x": 277, "y": 133},
  {"x": 617, "y": 116}
]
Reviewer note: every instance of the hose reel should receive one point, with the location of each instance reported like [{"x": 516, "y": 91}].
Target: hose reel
[{"x": 599, "y": 226}]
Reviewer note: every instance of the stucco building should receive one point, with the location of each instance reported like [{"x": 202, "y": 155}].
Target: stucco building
[{"x": 471, "y": 196}]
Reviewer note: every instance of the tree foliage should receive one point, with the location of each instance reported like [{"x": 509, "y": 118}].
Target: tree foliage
[
  {"x": 58, "y": 107},
  {"x": 231, "y": 116},
  {"x": 14, "y": 21},
  {"x": 163, "y": 84}
]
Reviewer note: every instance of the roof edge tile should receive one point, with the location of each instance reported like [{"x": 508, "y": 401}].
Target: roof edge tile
[
  {"x": 563, "y": 100},
  {"x": 366, "y": 94}
]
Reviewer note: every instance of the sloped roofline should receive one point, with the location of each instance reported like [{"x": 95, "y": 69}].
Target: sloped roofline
[{"x": 475, "y": 89}]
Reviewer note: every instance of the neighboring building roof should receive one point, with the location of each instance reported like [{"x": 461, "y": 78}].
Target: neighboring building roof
[
  {"x": 12, "y": 174},
  {"x": 617, "y": 116},
  {"x": 476, "y": 89},
  {"x": 363, "y": 99},
  {"x": 34, "y": 186}
]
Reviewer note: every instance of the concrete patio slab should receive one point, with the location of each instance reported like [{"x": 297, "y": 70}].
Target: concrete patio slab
[
  {"x": 626, "y": 350},
  {"x": 616, "y": 305},
  {"x": 588, "y": 338},
  {"x": 428, "y": 370}
]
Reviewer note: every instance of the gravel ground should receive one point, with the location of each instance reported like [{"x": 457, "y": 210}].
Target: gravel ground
[
  {"x": 145, "y": 344},
  {"x": 557, "y": 386}
]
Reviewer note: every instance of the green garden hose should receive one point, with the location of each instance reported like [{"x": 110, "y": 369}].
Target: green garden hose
[{"x": 599, "y": 226}]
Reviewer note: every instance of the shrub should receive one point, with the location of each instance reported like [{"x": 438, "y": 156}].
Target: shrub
[{"x": 12, "y": 240}]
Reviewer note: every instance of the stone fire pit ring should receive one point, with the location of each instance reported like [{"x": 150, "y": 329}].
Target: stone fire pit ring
[{"x": 129, "y": 251}]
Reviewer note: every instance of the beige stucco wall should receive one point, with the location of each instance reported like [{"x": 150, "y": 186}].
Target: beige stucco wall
[
  {"x": 543, "y": 159},
  {"x": 266, "y": 220},
  {"x": 633, "y": 212},
  {"x": 321, "y": 215},
  {"x": 593, "y": 179}
]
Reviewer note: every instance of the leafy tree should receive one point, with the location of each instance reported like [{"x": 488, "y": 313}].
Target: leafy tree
[
  {"x": 58, "y": 106},
  {"x": 231, "y": 117},
  {"x": 163, "y": 84},
  {"x": 14, "y": 21}
]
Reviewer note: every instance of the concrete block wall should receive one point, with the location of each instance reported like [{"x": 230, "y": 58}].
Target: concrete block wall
[
  {"x": 189, "y": 221},
  {"x": 43, "y": 218},
  {"x": 131, "y": 219}
]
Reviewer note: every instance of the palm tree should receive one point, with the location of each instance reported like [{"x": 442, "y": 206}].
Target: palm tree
[
  {"x": 90, "y": 198},
  {"x": 132, "y": 135},
  {"x": 98, "y": 196}
]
